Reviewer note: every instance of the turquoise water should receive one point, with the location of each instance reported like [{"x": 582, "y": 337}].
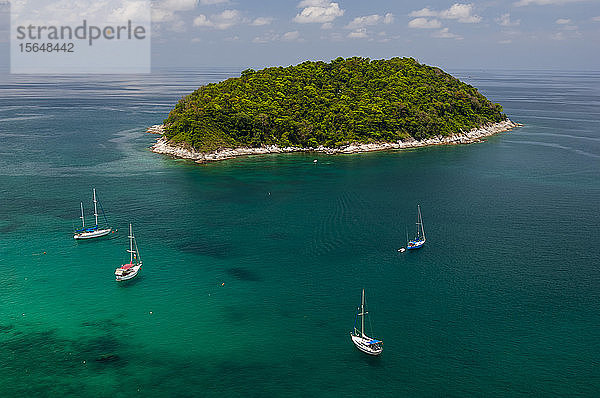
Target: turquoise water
[{"x": 502, "y": 301}]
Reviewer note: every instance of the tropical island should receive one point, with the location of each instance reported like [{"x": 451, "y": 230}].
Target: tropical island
[{"x": 345, "y": 106}]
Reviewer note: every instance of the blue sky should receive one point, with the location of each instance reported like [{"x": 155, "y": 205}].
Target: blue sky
[{"x": 546, "y": 34}]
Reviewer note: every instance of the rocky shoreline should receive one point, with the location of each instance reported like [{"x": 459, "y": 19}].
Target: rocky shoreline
[{"x": 162, "y": 145}]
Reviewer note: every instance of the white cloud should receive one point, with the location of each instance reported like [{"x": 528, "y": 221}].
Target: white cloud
[
  {"x": 128, "y": 11},
  {"x": 565, "y": 24},
  {"x": 221, "y": 21},
  {"x": 211, "y": 2},
  {"x": 177, "y": 5},
  {"x": 327, "y": 25},
  {"x": 463, "y": 13},
  {"x": 360, "y": 22},
  {"x": 358, "y": 34},
  {"x": 445, "y": 34},
  {"x": 424, "y": 12},
  {"x": 318, "y": 11},
  {"x": 333, "y": 37},
  {"x": 504, "y": 20},
  {"x": 370, "y": 20},
  {"x": 161, "y": 15},
  {"x": 272, "y": 36},
  {"x": 313, "y": 3},
  {"x": 177, "y": 26},
  {"x": 424, "y": 23},
  {"x": 261, "y": 21},
  {"x": 63, "y": 12},
  {"x": 291, "y": 36},
  {"x": 507, "y": 41},
  {"x": 521, "y": 3},
  {"x": 165, "y": 11},
  {"x": 202, "y": 20},
  {"x": 596, "y": 19},
  {"x": 566, "y": 34},
  {"x": 265, "y": 38}
]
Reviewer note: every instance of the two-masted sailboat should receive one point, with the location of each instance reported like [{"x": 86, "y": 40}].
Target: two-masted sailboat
[
  {"x": 130, "y": 271},
  {"x": 419, "y": 239},
  {"x": 94, "y": 231},
  {"x": 363, "y": 342}
]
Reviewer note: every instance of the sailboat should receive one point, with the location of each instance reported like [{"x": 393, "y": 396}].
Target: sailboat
[
  {"x": 130, "y": 271},
  {"x": 363, "y": 342},
  {"x": 419, "y": 239},
  {"x": 95, "y": 231}
]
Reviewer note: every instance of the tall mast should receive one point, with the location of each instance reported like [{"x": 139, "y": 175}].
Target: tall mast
[
  {"x": 362, "y": 313},
  {"x": 422, "y": 228},
  {"x": 418, "y": 212},
  {"x": 95, "y": 207},
  {"x": 421, "y": 222},
  {"x": 131, "y": 243},
  {"x": 82, "y": 218}
]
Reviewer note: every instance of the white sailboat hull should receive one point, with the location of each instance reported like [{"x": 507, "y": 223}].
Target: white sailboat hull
[
  {"x": 133, "y": 272},
  {"x": 93, "y": 234},
  {"x": 362, "y": 344},
  {"x": 415, "y": 244},
  {"x": 419, "y": 240}
]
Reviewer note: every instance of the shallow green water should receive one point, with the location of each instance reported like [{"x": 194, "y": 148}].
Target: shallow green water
[{"x": 502, "y": 301}]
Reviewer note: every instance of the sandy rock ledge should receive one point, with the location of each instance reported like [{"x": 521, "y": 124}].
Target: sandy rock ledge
[
  {"x": 156, "y": 129},
  {"x": 162, "y": 145}
]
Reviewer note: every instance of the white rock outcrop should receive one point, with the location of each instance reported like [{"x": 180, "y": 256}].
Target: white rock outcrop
[
  {"x": 156, "y": 129},
  {"x": 163, "y": 146}
]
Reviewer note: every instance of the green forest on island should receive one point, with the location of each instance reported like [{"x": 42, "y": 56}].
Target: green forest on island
[{"x": 354, "y": 100}]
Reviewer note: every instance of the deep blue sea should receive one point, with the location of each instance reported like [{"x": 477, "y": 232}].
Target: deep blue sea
[{"x": 253, "y": 267}]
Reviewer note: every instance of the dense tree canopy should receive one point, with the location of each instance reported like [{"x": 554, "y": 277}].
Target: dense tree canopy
[{"x": 332, "y": 104}]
